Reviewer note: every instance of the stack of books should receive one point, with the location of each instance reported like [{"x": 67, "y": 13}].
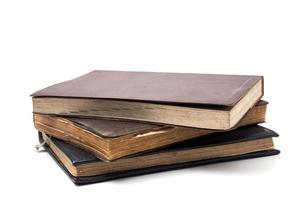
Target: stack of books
[{"x": 112, "y": 124}]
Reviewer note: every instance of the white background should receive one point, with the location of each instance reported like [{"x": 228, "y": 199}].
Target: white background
[{"x": 45, "y": 42}]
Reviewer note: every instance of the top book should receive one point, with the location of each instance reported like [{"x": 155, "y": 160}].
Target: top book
[{"x": 195, "y": 100}]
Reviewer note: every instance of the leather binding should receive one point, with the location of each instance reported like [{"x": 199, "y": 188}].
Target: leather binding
[
  {"x": 113, "y": 139},
  {"x": 207, "y": 101},
  {"x": 79, "y": 156},
  {"x": 108, "y": 177},
  {"x": 164, "y": 88}
]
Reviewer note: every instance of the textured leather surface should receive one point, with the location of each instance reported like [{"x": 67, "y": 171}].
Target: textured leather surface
[
  {"x": 115, "y": 128},
  {"x": 112, "y": 128},
  {"x": 80, "y": 156},
  {"x": 137, "y": 172},
  {"x": 202, "y": 89}
]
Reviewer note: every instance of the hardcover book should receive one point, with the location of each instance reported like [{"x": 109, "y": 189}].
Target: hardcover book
[
  {"x": 113, "y": 139},
  {"x": 194, "y": 100},
  {"x": 84, "y": 167}
]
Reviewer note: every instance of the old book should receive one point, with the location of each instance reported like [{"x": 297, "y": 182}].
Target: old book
[
  {"x": 83, "y": 167},
  {"x": 112, "y": 139},
  {"x": 194, "y": 100}
]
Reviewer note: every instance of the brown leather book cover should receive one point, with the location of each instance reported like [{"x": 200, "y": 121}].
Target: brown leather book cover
[
  {"x": 174, "y": 88},
  {"x": 113, "y": 139},
  {"x": 207, "y": 101}
]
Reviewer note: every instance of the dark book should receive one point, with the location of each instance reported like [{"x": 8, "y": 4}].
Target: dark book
[
  {"x": 83, "y": 167},
  {"x": 194, "y": 100},
  {"x": 113, "y": 139}
]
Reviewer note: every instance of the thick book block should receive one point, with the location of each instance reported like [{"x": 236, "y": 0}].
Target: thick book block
[
  {"x": 83, "y": 167},
  {"x": 113, "y": 139},
  {"x": 195, "y": 100}
]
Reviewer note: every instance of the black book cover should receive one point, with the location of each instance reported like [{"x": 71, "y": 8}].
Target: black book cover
[{"x": 79, "y": 156}]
